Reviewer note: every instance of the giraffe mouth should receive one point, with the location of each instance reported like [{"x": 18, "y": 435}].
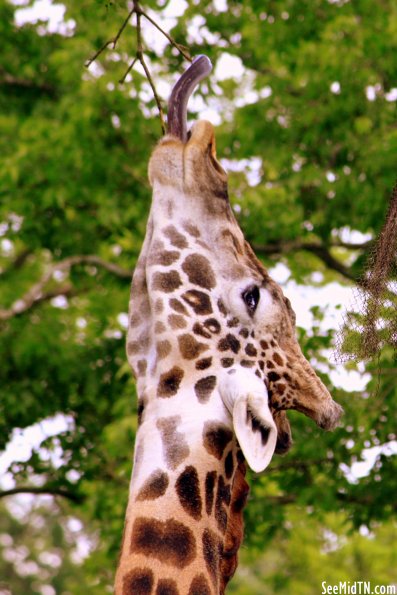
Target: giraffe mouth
[{"x": 284, "y": 435}]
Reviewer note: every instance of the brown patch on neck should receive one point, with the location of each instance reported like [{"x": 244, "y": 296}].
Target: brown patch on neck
[{"x": 235, "y": 527}]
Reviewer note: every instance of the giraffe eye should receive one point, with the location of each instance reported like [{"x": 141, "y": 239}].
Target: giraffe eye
[{"x": 251, "y": 298}]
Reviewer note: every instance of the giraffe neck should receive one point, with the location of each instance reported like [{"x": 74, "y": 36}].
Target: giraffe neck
[
  {"x": 211, "y": 341},
  {"x": 184, "y": 515}
]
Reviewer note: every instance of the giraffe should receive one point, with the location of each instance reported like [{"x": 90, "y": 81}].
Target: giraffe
[{"x": 212, "y": 344}]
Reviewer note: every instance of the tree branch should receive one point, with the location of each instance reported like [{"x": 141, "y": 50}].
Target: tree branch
[
  {"x": 321, "y": 251},
  {"x": 14, "y": 81},
  {"x": 139, "y": 55},
  {"x": 181, "y": 49},
  {"x": 51, "y": 491},
  {"x": 285, "y": 499},
  {"x": 37, "y": 294},
  {"x": 113, "y": 40}
]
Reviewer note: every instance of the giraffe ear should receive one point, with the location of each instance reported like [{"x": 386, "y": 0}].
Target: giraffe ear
[
  {"x": 245, "y": 397},
  {"x": 255, "y": 430}
]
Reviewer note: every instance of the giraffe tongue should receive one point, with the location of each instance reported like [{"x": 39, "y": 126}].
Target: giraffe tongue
[{"x": 177, "y": 105}]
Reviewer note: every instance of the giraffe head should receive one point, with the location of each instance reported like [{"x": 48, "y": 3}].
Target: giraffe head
[{"x": 207, "y": 319}]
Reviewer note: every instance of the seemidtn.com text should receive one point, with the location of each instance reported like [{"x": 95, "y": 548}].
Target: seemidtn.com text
[{"x": 357, "y": 588}]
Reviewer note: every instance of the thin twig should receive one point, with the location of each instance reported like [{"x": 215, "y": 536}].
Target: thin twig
[
  {"x": 172, "y": 41},
  {"x": 123, "y": 26},
  {"x": 156, "y": 97},
  {"x": 98, "y": 53},
  {"x": 131, "y": 66},
  {"x": 113, "y": 40},
  {"x": 139, "y": 53},
  {"x": 139, "y": 56}
]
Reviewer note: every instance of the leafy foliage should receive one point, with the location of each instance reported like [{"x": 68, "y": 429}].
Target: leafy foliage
[{"x": 315, "y": 106}]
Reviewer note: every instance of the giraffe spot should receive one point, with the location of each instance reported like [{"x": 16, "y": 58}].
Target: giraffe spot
[
  {"x": 229, "y": 343},
  {"x": 169, "y": 382},
  {"x": 138, "y": 582},
  {"x": 203, "y": 244},
  {"x": 235, "y": 241},
  {"x": 203, "y": 364},
  {"x": 278, "y": 359},
  {"x": 247, "y": 363},
  {"x": 199, "y": 586},
  {"x": 159, "y": 327},
  {"x": 212, "y": 325},
  {"x": 138, "y": 456},
  {"x": 273, "y": 376},
  {"x": 191, "y": 229},
  {"x": 233, "y": 322},
  {"x": 144, "y": 308},
  {"x": 141, "y": 407},
  {"x": 270, "y": 364},
  {"x": 262, "y": 365},
  {"x": 188, "y": 490},
  {"x": 264, "y": 345},
  {"x": 155, "y": 486},
  {"x": 166, "y": 282},
  {"x": 222, "y": 503},
  {"x": 135, "y": 320},
  {"x": 176, "y": 321},
  {"x": 175, "y": 447},
  {"x": 189, "y": 347},
  {"x": 133, "y": 347},
  {"x": 251, "y": 350},
  {"x": 222, "y": 307},
  {"x": 216, "y": 437},
  {"x": 177, "y": 306},
  {"x": 198, "y": 329},
  {"x": 176, "y": 238},
  {"x": 244, "y": 333},
  {"x": 159, "y": 306},
  {"x": 204, "y": 387},
  {"x": 281, "y": 388},
  {"x": 165, "y": 258},
  {"x": 227, "y": 362},
  {"x": 163, "y": 348},
  {"x": 229, "y": 465},
  {"x": 211, "y": 552},
  {"x": 198, "y": 300},
  {"x": 170, "y": 541},
  {"x": 209, "y": 491},
  {"x": 167, "y": 586},
  {"x": 199, "y": 271},
  {"x": 142, "y": 365}
]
